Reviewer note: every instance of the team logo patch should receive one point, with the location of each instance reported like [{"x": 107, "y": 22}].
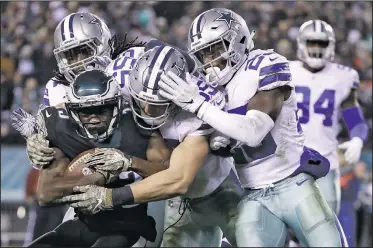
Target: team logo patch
[
  {"x": 227, "y": 18},
  {"x": 97, "y": 22},
  {"x": 179, "y": 69}
]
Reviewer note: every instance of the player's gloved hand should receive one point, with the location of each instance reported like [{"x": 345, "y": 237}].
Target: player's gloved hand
[
  {"x": 91, "y": 199},
  {"x": 180, "y": 92},
  {"x": 38, "y": 151},
  {"x": 110, "y": 162},
  {"x": 352, "y": 150},
  {"x": 218, "y": 140}
]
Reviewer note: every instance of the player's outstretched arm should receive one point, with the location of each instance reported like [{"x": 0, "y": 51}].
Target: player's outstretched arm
[
  {"x": 356, "y": 125},
  {"x": 52, "y": 183},
  {"x": 251, "y": 128},
  {"x": 186, "y": 160}
]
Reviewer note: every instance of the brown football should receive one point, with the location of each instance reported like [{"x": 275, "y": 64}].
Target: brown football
[{"x": 77, "y": 166}]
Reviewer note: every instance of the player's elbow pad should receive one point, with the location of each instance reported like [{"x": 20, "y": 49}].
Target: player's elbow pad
[{"x": 256, "y": 127}]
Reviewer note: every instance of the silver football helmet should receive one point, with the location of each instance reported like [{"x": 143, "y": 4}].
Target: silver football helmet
[
  {"x": 147, "y": 105},
  {"x": 220, "y": 40},
  {"x": 316, "y": 43},
  {"x": 81, "y": 42},
  {"x": 94, "y": 102}
]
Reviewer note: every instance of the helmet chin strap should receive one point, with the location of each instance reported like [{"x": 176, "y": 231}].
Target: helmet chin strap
[{"x": 154, "y": 121}]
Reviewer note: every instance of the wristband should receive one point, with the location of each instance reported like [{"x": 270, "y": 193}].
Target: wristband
[
  {"x": 355, "y": 122},
  {"x": 122, "y": 196}
]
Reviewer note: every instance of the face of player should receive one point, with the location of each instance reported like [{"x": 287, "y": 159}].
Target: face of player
[
  {"x": 96, "y": 119},
  {"x": 209, "y": 56},
  {"x": 153, "y": 110},
  {"x": 77, "y": 54},
  {"x": 316, "y": 48}
]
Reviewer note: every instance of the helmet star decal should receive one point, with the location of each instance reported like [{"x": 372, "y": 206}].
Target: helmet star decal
[
  {"x": 97, "y": 22},
  {"x": 179, "y": 69},
  {"x": 226, "y": 17}
]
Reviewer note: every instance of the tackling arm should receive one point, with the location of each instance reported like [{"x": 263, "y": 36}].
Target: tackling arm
[
  {"x": 262, "y": 111},
  {"x": 158, "y": 156},
  {"x": 52, "y": 183},
  {"x": 185, "y": 162}
]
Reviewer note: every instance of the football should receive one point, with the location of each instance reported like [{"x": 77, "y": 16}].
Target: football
[{"x": 77, "y": 168}]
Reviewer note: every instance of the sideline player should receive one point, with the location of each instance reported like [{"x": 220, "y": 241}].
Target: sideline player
[
  {"x": 273, "y": 165},
  {"x": 203, "y": 180},
  {"x": 325, "y": 90}
]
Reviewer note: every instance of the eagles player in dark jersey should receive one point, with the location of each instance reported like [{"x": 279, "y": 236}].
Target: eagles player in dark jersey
[{"x": 94, "y": 118}]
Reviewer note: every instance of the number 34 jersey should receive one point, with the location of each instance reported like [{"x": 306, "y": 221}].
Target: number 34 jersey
[
  {"x": 319, "y": 97},
  {"x": 278, "y": 155}
]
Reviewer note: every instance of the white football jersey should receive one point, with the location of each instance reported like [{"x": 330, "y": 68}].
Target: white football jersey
[
  {"x": 278, "y": 156},
  {"x": 215, "y": 169},
  {"x": 121, "y": 67},
  {"x": 319, "y": 97},
  {"x": 55, "y": 93}
]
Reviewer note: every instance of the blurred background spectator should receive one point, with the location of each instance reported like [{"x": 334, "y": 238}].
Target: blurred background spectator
[{"x": 27, "y": 60}]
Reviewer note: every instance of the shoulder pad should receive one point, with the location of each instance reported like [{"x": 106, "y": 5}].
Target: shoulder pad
[
  {"x": 54, "y": 93},
  {"x": 349, "y": 75},
  {"x": 45, "y": 118},
  {"x": 189, "y": 125},
  {"x": 272, "y": 69}
]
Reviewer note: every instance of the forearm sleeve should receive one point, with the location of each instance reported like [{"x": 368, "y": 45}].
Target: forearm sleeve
[{"x": 249, "y": 129}]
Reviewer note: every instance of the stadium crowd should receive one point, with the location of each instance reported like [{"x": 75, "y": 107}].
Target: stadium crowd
[{"x": 27, "y": 60}]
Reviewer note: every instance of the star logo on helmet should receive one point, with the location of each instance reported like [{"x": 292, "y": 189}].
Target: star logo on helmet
[
  {"x": 97, "y": 22},
  {"x": 227, "y": 18},
  {"x": 179, "y": 69}
]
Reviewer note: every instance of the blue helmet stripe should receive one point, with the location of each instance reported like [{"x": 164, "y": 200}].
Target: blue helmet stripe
[
  {"x": 71, "y": 30},
  {"x": 161, "y": 68},
  {"x": 63, "y": 30},
  {"x": 191, "y": 32},
  {"x": 199, "y": 27},
  {"x": 156, "y": 55}
]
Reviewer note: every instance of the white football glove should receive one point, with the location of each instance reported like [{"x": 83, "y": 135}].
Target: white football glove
[
  {"x": 38, "y": 151},
  {"x": 180, "y": 92},
  {"x": 218, "y": 140},
  {"x": 110, "y": 162},
  {"x": 352, "y": 150}
]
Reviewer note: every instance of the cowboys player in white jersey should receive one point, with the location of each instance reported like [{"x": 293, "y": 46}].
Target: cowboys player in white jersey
[
  {"x": 209, "y": 191},
  {"x": 267, "y": 142},
  {"x": 325, "y": 90}
]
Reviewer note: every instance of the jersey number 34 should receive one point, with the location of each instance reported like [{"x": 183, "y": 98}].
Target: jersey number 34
[{"x": 324, "y": 105}]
